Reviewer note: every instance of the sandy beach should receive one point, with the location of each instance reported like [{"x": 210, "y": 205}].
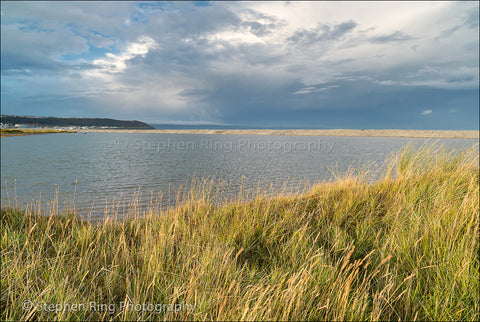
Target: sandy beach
[{"x": 437, "y": 134}]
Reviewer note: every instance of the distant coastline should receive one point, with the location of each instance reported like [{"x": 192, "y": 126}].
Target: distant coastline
[
  {"x": 71, "y": 123},
  {"x": 437, "y": 134}
]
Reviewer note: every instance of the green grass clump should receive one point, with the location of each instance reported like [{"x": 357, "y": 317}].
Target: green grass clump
[{"x": 404, "y": 247}]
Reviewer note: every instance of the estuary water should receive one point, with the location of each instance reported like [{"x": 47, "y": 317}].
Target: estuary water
[{"x": 92, "y": 172}]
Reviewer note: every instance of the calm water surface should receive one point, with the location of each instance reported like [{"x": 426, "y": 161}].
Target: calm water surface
[{"x": 95, "y": 168}]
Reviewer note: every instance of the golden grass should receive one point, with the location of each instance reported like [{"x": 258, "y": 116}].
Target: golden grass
[
  {"x": 17, "y": 132},
  {"x": 402, "y": 248}
]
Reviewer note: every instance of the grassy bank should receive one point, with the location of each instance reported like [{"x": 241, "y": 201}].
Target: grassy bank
[
  {"x": 16, "y": 132},
  {"x": 405, "y": 247}
]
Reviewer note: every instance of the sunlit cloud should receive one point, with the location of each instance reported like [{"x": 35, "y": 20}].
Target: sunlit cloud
[{"x": 111, "y": 63}]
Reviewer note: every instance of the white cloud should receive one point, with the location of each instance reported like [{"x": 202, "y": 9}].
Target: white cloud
[
  {"x": 386, "y": 83},
  {"x": 427, "y": 112},
  {"x": 313, "y": 89},
  {"x": 118, "y": 63}
]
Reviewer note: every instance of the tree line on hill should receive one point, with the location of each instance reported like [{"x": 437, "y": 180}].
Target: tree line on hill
[{"x": 73, "y": 121}]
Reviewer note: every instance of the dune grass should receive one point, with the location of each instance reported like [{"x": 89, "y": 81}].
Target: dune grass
[{"x": 402, "y": 248}]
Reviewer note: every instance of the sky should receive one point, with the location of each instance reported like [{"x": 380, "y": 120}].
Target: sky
[{"x": 372, "y": 65}]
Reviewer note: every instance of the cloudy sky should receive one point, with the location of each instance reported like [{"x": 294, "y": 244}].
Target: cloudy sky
[{"x": 409, "y": 65}]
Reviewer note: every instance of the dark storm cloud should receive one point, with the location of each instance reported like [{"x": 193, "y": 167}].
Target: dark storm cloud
[
  {"x": 37, "y": 49},
  {"x": 259, "y": 29},
  {"x": 323, "y": 32},
  {"x": 260, "y": 24},
  {"x": 471, "y": 21},
  {"x": 195, "y": 93},
  {"x": 368, "y": 106},
  {"x": 174, "y": 20},
  {"x": 396, "y": 36}
]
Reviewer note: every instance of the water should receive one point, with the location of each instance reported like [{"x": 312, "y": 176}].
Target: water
[
  {"x": 94, "y": 168},
  {"x": 177, "y": 126}
]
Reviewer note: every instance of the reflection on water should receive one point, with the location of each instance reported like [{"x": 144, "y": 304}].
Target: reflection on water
[{"x": 99, "y": 168}]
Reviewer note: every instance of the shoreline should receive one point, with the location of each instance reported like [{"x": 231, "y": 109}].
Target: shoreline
[
  {"x": 437, "y": 134},
  {"x": 23, "y": 132},
  {"x": 433, "y": 134}
]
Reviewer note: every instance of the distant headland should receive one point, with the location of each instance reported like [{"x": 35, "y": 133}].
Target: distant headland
[{"x": 9, "y": 121}]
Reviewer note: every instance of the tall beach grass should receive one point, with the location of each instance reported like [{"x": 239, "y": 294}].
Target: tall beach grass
[{"x": 404, "y": 247}]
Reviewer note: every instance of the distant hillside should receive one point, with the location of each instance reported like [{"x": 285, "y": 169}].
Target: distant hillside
[{"x": 72, "y": 121}]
